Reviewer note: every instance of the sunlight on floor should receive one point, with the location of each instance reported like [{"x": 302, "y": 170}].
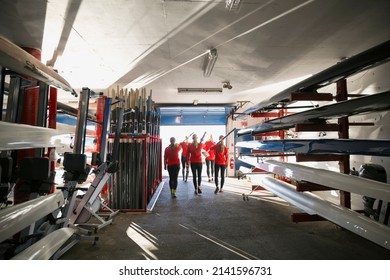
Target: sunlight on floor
[{"x": 146, "y": 241}]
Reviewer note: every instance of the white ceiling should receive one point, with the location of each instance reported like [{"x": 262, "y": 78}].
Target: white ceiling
[{"x": 263, "y": 48}]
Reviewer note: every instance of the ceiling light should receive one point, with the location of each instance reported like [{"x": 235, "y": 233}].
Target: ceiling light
[
  {"x": 210, "y": 60},
  {"x": 206, "y": 91},
  {"x": 233, "y": 5}
]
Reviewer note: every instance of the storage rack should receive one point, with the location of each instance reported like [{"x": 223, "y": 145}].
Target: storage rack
[
  {"x": 307, "y": 90},
  {"x": 139, "y": 163}
]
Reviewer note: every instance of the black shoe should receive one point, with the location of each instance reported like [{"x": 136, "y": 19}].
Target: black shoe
[
  {"x": 220, "y": 190},
  {"x": 199, "y": 190},
  {"x": 196, "y": 191},
  {"x": 216, "y": 190}
]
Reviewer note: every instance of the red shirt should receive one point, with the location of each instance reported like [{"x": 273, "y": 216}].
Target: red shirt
[
  {"x": 184, "y": 146},
  {"x": 208, "y": 145},
  {"x": 171, "y": 156},
  {"x": 195, "y": 154},
  {"x": 221, "y": 157}
]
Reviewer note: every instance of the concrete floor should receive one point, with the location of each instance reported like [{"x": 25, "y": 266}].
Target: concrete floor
[{"x": 222, "y": 227}]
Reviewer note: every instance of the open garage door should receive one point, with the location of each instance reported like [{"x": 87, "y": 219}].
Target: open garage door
[{"x": 195, "y": 115}]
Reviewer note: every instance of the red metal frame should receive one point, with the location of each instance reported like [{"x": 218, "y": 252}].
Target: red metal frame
[
  {"x": 316, "y": 127},
  {"x": 99, "y": 119},
  {"x": 319, "y": 157},
  {"x": 309, "y": 96},
  {"x": 344, "y": 163},
  {"x": 308, "y": 186}
]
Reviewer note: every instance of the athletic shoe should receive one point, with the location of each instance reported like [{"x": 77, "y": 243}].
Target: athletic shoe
[
  {"x": 220, "y": 190},
  {"x": 196, "y": 191},
  {"x": 199, "y": 190},
  {"x": 216, "y": 190}
]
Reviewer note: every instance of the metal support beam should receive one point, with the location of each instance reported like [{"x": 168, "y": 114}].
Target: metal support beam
[
  {"x": 105, "y": 127},
  {"x": 326, "y": 157},
  {"x": 2, "y": 91},
  {"x": 303, "y": 96},
  {"x": 81, "y": 128},
  {"x": 316, "y": 127},
  {"x": 343, "y": 122},
  {"x": 13, "y": 99},
  {"x": 308, "y": 186}
]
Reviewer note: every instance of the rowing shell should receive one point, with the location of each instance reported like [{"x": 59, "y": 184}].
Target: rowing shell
[
  {"x": 15, "y": 218},
  {"x": 45, "y": 248},
  {"x": 20, "y": 61},
  {"x": 312, "y": 204},
  {"x": 22, "y": 136},
  {"x": 321, "y": 146},
  {"x": 340, "y": 181},
  {"x": 371, "y": 103}
]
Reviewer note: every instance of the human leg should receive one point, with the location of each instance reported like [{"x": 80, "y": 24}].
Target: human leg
[
  {"x": 199, "y": 170},
  {"x": 223, "y": 171},
  {"x": 208, "y": 169},
  {"x": 217, "y": 167},
  {"x": 183, "y": 165},
  {"x": 187, "y": 171},
  {"x": 212, "y": 165},
  {"x": 175, "y": 174},
  {"x": 194, "y": 177},
  {"x": 171, "y": 178}
]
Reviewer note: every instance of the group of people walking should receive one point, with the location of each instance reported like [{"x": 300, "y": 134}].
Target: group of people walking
[{"x": 216, "y": 157}]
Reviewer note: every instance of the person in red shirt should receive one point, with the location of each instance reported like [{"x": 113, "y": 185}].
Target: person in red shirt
[
  {"x": 210, "y": 158},
  {"x": 184, "y": 163},
  {"x": 195, "y": 158},
  {"x": 172, "y": 163},
  {"x": 221, "y": 161}
]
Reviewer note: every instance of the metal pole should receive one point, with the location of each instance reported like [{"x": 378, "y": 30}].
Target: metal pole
[
  {"x": 79, "y": 141},
  {"x": 2, "y": 91},
  {"x": 42, "y": 111},
  {"x": 13, "y": 99},
  {"x": 105, "y": 127}
]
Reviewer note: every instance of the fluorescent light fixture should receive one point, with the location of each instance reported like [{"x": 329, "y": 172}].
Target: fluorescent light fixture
[
  {"x": 206, "y": 91},
  {"x": 233, "y": 5},
  {"x": 211, "y": 58}
]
